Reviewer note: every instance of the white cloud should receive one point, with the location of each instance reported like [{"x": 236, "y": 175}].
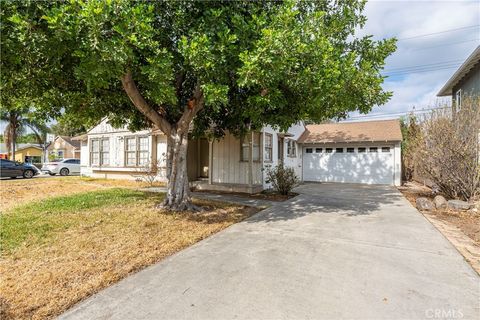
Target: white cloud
[{"x": 444, "y": 52}]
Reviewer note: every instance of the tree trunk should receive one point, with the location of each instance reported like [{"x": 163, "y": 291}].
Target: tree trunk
[{"x": 178, "y": 191}]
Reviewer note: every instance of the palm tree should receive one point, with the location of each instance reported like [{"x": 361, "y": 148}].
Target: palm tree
[{"x": 17, "y": 123}]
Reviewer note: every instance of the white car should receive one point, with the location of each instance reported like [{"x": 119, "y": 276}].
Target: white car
[{"x": 63, "y": 167}]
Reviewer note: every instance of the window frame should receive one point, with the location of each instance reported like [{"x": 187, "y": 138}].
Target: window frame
[
  {"x": 384, "y": 148},
  {"x": 256, "y": 143},
  {"x": 137, "y": 151},
  {"x": 339, "y": 150},
  {"x": 370, "y": 149},
  {"x": 318, "y": 150},
  {"x": 362, "y": 150},
  {"x": 328, "y": 150},
  {"x": 268, "y": 148},
  {"x": 291, "y": 148},
  {"x": 100, "y": 152},
  {"x": 308, "y": 149},
  {"x": 458, "y": 99},
  {"x": 350, "y": 150}
]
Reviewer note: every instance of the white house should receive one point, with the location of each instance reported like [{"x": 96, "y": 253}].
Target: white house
[{"x": 357, "y": 152}]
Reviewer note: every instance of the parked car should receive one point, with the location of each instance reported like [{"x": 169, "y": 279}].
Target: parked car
[
  {"x": 63, "y": 167},
  {"x": 14, "y": 169}
]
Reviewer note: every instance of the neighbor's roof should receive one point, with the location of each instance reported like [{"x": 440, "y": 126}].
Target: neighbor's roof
[
  {"x": 365, "y": 131},
  {"x": 69, "y": 140},
  {"x": 19, "y": 146},
  {"x": 464, "y": 69},
  {"x": 82, "y": 137}
]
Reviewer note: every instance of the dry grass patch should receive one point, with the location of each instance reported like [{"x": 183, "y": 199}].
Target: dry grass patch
[
  {"x": 49, "y": 271},
  {"x": 15, "y": 192}
]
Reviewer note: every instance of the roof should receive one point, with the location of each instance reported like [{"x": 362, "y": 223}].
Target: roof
[
  {"x": 365, "y": 131},
  {"x": 82, "y": 137},
  {"x": 464, "y": 69},
  {"x": 19, "y": 146},
  {"x": 70, "y": 141}
]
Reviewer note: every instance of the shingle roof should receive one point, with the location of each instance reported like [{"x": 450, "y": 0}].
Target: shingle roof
[
  {"x": 19, "y": 146},
  {"x": 73, "y": 143},
  {"x": 373, "y": 131}
]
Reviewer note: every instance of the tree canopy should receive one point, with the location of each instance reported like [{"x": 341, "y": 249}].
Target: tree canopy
[{"x": 256, "y": 62}]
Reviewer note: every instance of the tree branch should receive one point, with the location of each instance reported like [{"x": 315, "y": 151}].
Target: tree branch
[
  {"x": 191, "y": 109},
  {"x": 139, "y": 102}
]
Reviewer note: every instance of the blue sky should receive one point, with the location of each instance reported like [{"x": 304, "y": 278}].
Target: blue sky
[{"x": 435, "y": 37}]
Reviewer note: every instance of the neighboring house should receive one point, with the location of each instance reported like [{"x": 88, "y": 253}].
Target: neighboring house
[
  {"x": 465, "y": 81},
  {"x": 63, "y": 147},
  {"x": 359, "y": 152},
  {"x": 24, "y": 152}
]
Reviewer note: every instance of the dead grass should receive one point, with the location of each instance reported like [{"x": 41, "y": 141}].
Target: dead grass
[
  {"x": 467, "y": 221},
  {"x": 99, "y": 246},
  {"x": 15, "y": 192}
]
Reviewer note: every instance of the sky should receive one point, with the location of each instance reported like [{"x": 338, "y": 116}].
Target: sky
[{"x": 434, "y": 38}]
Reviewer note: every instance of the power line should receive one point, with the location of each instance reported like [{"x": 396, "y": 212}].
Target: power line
[
  {"x": 396, "y": 113},
  {"x": 447, "y": 44},
  {"x": 421, "y": 70},
  {"x": 427, "y": 64},
  {"x": 439, "y": 32}
]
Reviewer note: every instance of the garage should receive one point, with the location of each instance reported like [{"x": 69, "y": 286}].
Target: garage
[{"x": 353, "y": 152}]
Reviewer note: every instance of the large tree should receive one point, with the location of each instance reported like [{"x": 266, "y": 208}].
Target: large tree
[{"x": 190, "y": 67}]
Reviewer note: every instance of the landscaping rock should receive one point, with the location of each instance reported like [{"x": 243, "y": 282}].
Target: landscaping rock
[
  {"x": 459, "y": 205},
  {"x": 424, "y": 204},
  {"x": 440, "y": 202}
]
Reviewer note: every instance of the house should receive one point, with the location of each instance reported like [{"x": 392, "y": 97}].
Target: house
[
  {"x": 63, "y": 147},
  {"x": 465, "y": 81},
  {"x": 357, "y": 152},
  {"x": 24, "y": 152}
]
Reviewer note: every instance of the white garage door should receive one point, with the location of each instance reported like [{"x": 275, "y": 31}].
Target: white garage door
[{"x": 370, "y": 165}]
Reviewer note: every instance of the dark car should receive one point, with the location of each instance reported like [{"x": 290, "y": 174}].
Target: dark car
[{"x": 15, "y": 169}]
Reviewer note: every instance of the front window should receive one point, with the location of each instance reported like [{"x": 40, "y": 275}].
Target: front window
[
  {"x": 136, "y": 151},
  {"x": 268, "y": 147},
  {"x": 100, "y": 152},
  {"x": 60, "y": 154},
  {"x": 291, "y": 148},
  {"x": 245, "y": 144}
]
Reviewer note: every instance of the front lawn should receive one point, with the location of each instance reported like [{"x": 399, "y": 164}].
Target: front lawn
[{"x": 58, "y": 251}]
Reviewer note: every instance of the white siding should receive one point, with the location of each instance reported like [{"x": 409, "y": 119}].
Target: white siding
[{"x": 227, "y": 167}]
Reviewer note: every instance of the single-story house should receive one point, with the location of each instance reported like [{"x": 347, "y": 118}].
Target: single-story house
[
  {"x": 465, "y": 81},
  {"x": 24, "y": 152},
  {"x": 63, "y": 147},
  {"x": 356, "y": 152}
]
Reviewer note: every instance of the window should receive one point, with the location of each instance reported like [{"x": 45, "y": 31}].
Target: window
[
  {"x": 99, "y": 152},
  {"x": 291, "y": 148},
  {"x": 60, "y": 154},
  {"x": 318, "y": 150},
  {"x": 339, "y": 150},
  {"x": 385, "y": 149},
  {"x": 308, "y": 150},
  {"x": 458, "y": 99},
  {"x": 268, "y": 147},
  {"x": 373, "y": 149},
  {"x": 245, "y": 144},
  {"x": 362, "y": 150},
  {"x": 136, "y": 151},
  {"x": 328, "y": 150},
  {"x": 350, "y": 150}
]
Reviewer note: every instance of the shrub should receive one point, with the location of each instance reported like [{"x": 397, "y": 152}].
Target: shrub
[
  {"x": 283, "y": 179},
  {"x": 447, "y": 149}
]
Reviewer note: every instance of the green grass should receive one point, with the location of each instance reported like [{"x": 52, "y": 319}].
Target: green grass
[{"x": 35, "y": 222}]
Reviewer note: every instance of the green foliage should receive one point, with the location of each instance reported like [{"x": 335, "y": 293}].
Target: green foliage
[
  {"x": 68, "y": 125},
  {"x": 283, "y": 179},
  {"x": 257, "y": 62},
  {"x": 41, "y": 219}
]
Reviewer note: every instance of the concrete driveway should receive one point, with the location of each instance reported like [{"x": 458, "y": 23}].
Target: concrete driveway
[{"x": 334, "y": 252}]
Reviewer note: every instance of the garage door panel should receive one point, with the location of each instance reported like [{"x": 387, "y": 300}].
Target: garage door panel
[{"x": 369, "y": 167}]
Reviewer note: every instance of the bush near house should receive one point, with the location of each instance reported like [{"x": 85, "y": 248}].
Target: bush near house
[
  {"x": 446, "y": 150},
  {"x": 283, "y": 179}
]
